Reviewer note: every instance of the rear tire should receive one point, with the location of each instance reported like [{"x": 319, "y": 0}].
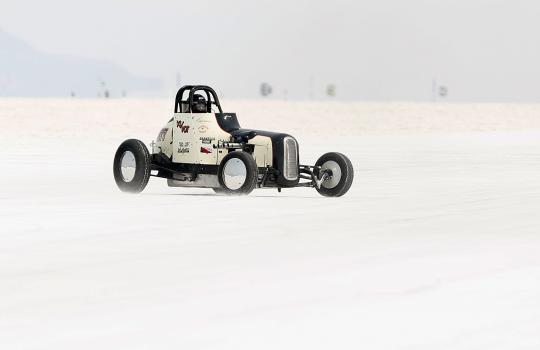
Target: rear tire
[
  {"x": 237, "y": 174},
  {"x": 131, "y": 166},
  {"x": 342, "y": 174}
]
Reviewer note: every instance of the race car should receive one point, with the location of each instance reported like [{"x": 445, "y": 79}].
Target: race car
[{"x": 200, "y": 146}]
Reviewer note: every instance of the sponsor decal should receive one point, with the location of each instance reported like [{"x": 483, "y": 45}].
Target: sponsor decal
[
  {"x": 206, "y": 150},
  {"x": 183, "y": 147},
  {"x": 161, "y": 135},
  {"x": 207, "y": 140},
  {"x": 203, "y": 129},
  {"x": 227, "y": 117},
  {"x": 183, "y": 128}
]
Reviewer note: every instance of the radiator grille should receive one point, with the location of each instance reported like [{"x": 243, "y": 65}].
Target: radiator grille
[{"x": 290, "y": 168}]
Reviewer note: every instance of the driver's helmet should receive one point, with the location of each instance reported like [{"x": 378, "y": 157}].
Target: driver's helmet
[{"x": 199, "y": 104}]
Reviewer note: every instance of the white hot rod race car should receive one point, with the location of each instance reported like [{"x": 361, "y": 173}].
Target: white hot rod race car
[{"x": 200, "y": 148}]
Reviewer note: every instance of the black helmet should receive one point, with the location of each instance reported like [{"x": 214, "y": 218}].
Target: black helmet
[{"x": 199, "y": 104}]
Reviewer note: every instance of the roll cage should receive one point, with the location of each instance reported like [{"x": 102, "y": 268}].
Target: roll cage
[{"x": 182, "y": 105}]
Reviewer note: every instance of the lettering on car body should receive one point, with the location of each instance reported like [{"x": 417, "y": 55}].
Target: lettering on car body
[
  {"x": 183, "y": 147},
  {"x": 183, "y": 128},
  {"x": 207, "y": 140}
]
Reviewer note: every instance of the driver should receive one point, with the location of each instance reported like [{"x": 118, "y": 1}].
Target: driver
[{"x": 199, "y": 104}]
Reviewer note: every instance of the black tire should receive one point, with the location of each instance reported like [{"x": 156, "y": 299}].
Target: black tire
[
  {"x": 338, "y": 189},
  {"x": 142, "y": 166},
  {"x": 252, "y": 172}
]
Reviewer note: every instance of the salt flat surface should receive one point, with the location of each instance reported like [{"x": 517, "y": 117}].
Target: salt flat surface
[{"x": 436, "y": 246}]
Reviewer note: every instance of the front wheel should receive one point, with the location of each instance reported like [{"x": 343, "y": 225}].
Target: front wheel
[
  {"x": 237, "y": 174},
  {"x": 131, "y": 166},
  {"x": 341, "y": 174}
]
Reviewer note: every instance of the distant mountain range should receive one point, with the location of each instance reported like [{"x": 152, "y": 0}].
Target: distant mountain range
[{"x": 25, "y": 71}]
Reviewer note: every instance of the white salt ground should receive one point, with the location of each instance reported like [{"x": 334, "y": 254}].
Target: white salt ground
[{"x": 436, "y": 246}]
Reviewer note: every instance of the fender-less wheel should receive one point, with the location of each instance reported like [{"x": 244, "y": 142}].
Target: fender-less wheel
[
  {"x": 341, "y": 173},
  {"x": 132, "y": 166},
  {"x": 237, "y": 174}
]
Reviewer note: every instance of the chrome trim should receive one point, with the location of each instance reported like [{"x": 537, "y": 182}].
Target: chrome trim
[
  {"x": 290, "y": 159},
  {"x": 128, "y": 166},
  {"x": 234, "y": 174},
  {"x": 203, "y": 180}
]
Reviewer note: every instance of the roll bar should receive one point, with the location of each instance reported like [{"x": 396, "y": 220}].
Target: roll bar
[{"x": 184, "y": 106}]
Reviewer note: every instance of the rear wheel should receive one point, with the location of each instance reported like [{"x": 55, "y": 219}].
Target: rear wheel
[
  {"x": 237, "y": 174},
  {"x": 131, "y": 166},
  {"x": 341, "y": 174}
]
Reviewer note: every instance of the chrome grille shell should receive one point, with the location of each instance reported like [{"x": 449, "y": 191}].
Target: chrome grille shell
[{"x": 290, "y": 159}]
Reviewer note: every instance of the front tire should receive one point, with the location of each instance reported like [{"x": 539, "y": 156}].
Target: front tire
[
  {"x": 131, "y": 166},
  {"x": 237, "y": 174},
  {"x": 342, "y": 174}
]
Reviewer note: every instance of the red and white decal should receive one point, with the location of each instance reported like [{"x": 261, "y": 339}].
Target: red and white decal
[{"x": 206, "y": 150}]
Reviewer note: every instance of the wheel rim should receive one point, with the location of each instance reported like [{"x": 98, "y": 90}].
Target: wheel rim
[
  {"x": 234, "y": 174},
  {"x": 128, "y": 166},
  {"x": 332, "y": 181}
]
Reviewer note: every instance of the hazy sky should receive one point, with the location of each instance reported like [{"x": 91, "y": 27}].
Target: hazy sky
[{"x": 483, "y": 50}]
